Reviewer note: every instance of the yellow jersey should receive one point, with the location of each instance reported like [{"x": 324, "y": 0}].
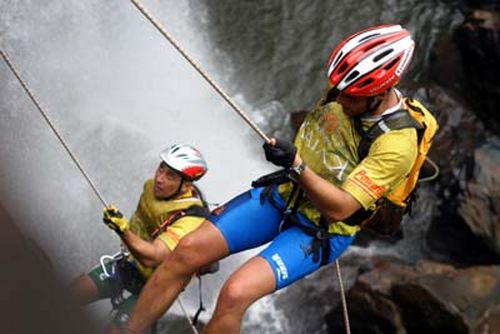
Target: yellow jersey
[
  {"x": 328, "y": 142},
  {"x": 151, "y": 212}
]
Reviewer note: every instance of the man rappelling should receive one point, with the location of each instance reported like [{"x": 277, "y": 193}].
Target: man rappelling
[
  {"x": 169, "y": 208},
  {"x": 356, "y": 157}
]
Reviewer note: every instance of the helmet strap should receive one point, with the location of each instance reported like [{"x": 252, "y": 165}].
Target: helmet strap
[
  {"x": 373, "y": 104},
  {"x": 176, "y": 193}
]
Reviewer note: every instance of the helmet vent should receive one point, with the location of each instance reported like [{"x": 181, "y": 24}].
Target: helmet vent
[
  {"x": 368, "y": 37},
  {"x": 373, "y": 46},
  {"x": 339, "y": 56},
  {"x": 365, "y": 83},
  {"x": 352, "y": 76},
  {"x": 382, "y": 55},
  {"x": 342, "y": 67},
  {"x": 391, "y": 64}
]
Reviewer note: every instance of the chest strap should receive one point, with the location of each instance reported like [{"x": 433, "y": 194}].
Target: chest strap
[{"x": 193, "y": 211}]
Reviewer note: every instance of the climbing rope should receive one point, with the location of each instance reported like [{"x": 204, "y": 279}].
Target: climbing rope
[
  {"x": 186, "y": 56},
  {"x": 51, "y": 125},
  {"x": 191, "y": 324},
  {"x": 73, "y": 157},
  {"x": 193, "y": 63},
  {"x": 436, "y": 171},
  {"x": 342, "y": 298}
]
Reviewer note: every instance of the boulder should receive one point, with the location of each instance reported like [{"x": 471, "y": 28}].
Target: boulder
[
  {"x": 480, "y": 207},
  {"x": 429, "y": 297}
]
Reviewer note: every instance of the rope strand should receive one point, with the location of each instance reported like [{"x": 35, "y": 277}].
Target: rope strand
[
  {"x": 193, "y": 328},
  {"x": 186, "y": 56},
  {"x": 68, "y": 150},
  {"x": 198, "y": 68},
  {"x": 51, "y": 125},
  {"x": 343, "y": 299}
]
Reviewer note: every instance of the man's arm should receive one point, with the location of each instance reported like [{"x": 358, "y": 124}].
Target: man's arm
[
  {"x": 334, "y": 203},
  {"x": 150, "y": 254}
]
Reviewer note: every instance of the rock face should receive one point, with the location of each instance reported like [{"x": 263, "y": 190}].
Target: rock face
[
  {"x": 427, "y": 298},
  {"x": 480, "y": 207},
  {"x": 467, "y": 60},
  {"x": 465, "y": 229}
]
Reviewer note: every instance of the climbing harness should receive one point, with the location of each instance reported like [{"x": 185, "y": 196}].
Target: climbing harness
[
  {"x": 73, "y": 157},
  {"x": 198, "y": 68},
  {"x": 320, "y": 244}
]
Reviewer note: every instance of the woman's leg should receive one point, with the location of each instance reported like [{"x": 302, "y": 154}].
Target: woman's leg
[{"x": 84, "y": 289}]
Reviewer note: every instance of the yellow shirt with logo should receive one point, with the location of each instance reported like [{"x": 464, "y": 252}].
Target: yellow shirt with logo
[
  {"x": 328, "y": 143},
  {"x": 151, "y": 212}
]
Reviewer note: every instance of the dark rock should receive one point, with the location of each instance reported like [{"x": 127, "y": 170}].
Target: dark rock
[
  {"x": 468, "y": 61},
  {"x": 480, "y": 207},
  {"x": 427, "y": 298},
  {"x": 306, "y": 302}
]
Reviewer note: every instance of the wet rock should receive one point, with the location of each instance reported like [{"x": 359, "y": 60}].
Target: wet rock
[
  {"x": 490, "y": 322},
  {"x": 467, "y": 60},
  {"x": 480, "y": 208},
  {"x": 458, "y": 150},
  {"x": 306, "y": 303},
  {"x": 426, "y": 298}
]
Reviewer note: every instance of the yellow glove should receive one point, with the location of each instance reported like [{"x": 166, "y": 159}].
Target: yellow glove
[{"x": 114, "y": 219}]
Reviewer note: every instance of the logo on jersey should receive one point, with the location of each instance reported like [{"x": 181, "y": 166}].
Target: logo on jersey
[
  {"x": 365, "y": 182},
  {"x": 281, "y": 271},
  {"x": 330, "y": 122}
]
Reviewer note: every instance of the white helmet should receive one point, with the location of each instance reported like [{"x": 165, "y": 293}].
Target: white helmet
[{"x": 186, "y": 160}]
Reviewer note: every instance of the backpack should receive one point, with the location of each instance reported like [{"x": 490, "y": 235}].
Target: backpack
[{"x": 386, "y": 218}]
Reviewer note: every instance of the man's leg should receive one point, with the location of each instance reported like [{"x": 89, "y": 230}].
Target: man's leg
[
  {"x": 202, "y": 246},
  {"x": 84, "y": 289},
  {"x": 252, "y": 281}
]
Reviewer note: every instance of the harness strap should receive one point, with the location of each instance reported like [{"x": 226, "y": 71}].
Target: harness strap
[
  {"x": 194, "y": 211},
  {"x": 397, "y": 120},
  {"x": 320, "y": 245}
]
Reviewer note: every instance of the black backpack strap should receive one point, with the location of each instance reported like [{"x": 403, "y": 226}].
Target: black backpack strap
[
  {"x": 400, "y": 119},
  {"x": 195, "y": 211}
]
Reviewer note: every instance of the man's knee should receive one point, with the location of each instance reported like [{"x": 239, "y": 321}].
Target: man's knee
[{"x": 234, "y": 295}]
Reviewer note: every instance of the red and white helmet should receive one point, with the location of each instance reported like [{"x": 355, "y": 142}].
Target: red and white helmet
[
  {"x": 186, "y": 160},
  {"x": 371, "y": 61}
]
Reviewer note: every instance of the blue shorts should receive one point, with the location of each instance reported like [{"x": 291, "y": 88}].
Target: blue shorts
[{"x": 247, "y": 222}]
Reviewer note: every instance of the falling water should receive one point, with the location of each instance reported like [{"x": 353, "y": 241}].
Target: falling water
[{"x": 119, "y": 93}]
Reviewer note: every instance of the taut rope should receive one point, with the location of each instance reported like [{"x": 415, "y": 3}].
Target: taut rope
[
  {"x": 197, "y": 67},
  {"x": 186, "y": 56},
  {"x": 51, "y": 125}
]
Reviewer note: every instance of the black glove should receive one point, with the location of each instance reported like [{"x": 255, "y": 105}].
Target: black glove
[{"x": 282, "y": 154}]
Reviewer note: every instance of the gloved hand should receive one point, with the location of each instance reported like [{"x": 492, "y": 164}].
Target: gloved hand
[
  {"x": 114, "y": 219},
  {"x": 281, "y": 154}
]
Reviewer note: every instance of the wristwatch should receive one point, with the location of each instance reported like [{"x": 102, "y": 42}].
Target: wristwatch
[{"x": 295, "y": 172}]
